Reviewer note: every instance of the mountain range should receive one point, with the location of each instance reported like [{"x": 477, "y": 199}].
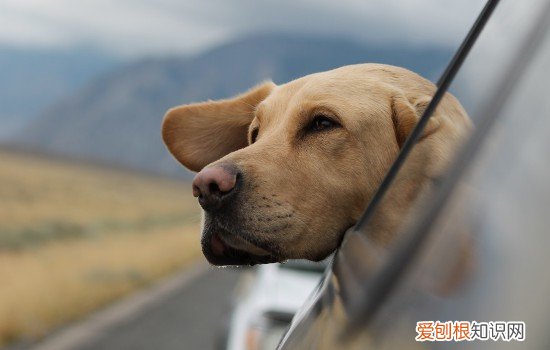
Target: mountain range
[
  {"x": 32, "y": 79},
  {"x": 116, "y": 117}
]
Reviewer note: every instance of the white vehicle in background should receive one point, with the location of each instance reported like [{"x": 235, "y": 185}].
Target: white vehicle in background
[{"x": 266, "y": 301}]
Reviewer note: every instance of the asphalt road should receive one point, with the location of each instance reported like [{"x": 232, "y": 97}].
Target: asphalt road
[
  {"x": 188, "y": 311},
  {"x": 191, "y": 318}
]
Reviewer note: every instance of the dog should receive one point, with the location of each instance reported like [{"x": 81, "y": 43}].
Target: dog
[{"x": 285, "y": 170}]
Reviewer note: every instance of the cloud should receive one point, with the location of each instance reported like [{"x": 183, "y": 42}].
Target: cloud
[{"x": 137, "y": 27}]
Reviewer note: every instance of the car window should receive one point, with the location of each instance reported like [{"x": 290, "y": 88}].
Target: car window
[
  {"x": 483, "y": 259},
  {"x": 359, "y": 259}
]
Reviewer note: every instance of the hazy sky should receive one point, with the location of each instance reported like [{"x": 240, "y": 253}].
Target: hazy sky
[{"x": 135, "y": 27}]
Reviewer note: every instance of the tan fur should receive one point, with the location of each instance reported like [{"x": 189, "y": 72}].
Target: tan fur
[
  {"x": 211, "y": 129},
  {"x": 302, "y": 191}
]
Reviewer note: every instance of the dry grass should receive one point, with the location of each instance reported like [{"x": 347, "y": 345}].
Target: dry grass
[
  {"x": 59, "y": 282},
  {"x": 74, "y": 237},
  {"x": 42, "y": 197}
]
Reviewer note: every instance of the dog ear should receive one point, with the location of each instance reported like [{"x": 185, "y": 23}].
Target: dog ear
[
  {"x": 200, "y": 133},
  {"x": 406, "y": 114}
]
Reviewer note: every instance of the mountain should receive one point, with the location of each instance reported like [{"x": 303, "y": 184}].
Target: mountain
[
  {"x": 31, "y": 79},
  {"x": 117, "y": 117}
]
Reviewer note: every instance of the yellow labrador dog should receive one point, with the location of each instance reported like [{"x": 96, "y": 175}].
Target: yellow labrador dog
[{"x": 284, "y": 170}]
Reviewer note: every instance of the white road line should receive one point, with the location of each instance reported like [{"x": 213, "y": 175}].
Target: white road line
[{"x": 93, "y": 326}]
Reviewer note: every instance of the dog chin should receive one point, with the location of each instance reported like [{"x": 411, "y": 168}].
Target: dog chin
[{"x": 222, "y": 248}]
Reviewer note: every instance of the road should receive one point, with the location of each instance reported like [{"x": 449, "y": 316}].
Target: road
[{"x": 185, "y": 315}]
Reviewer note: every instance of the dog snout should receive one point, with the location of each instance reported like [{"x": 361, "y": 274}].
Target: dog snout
[{"x": 214, "y": 185}]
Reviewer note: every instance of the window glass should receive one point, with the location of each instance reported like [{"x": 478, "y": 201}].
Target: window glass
[
  {"x": 479, "y": 263},
  {"x": 487, "y": 254}
]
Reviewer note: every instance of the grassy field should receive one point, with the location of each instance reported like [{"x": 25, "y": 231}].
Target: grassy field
[{"x": 74, "y": 237}]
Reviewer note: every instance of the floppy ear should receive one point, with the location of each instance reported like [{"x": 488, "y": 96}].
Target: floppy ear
[
  {"x": 200, "y": 133},
  {"x": 406, "y": 114}
]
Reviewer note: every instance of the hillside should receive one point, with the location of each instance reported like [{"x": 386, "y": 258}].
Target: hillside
[
  {"x": 116, "y": 118},
  {"x": 35, "y": 78},
  {"x": 73, "y": 237}
]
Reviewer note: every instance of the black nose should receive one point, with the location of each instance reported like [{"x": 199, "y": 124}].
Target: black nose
[{"x": 213, "y": 185}]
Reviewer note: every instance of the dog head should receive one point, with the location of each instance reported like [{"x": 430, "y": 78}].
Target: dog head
[{"x": 284, "y": 170}]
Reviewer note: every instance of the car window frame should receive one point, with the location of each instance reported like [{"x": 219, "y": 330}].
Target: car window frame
[
  {"x": 325, "y": 291},
  {"x": 490, "y": 112}
]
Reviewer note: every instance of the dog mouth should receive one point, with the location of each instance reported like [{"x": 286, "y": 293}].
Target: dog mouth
[{"x": 222, "y": 247}]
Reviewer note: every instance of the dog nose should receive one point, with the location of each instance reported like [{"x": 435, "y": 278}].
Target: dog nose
[{"x": 213, "y": 185}]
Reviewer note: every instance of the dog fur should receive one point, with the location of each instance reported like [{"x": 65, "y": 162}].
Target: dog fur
[{"x": 302, "y": 187}]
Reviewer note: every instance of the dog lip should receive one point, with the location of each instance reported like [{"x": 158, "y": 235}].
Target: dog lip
[
  {"x": 219, "y": 252},
  {"x": 237, "y": 241},
  {"x": 216, "y": 244}
]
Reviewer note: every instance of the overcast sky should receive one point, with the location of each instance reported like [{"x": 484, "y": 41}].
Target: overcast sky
[{"x": 145, "y": 27}]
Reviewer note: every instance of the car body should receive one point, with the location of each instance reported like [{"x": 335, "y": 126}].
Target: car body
[
  {"x": 475, "y": 248},
  {"x": 267, "y": 299}
]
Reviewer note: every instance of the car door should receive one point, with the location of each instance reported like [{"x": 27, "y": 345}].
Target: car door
[{"x": 472, "y": 251}]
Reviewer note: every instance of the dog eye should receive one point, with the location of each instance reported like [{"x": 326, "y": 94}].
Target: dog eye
[
  {"x": 322, "y": 122},
  {"x": 253, "y": 136}
]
